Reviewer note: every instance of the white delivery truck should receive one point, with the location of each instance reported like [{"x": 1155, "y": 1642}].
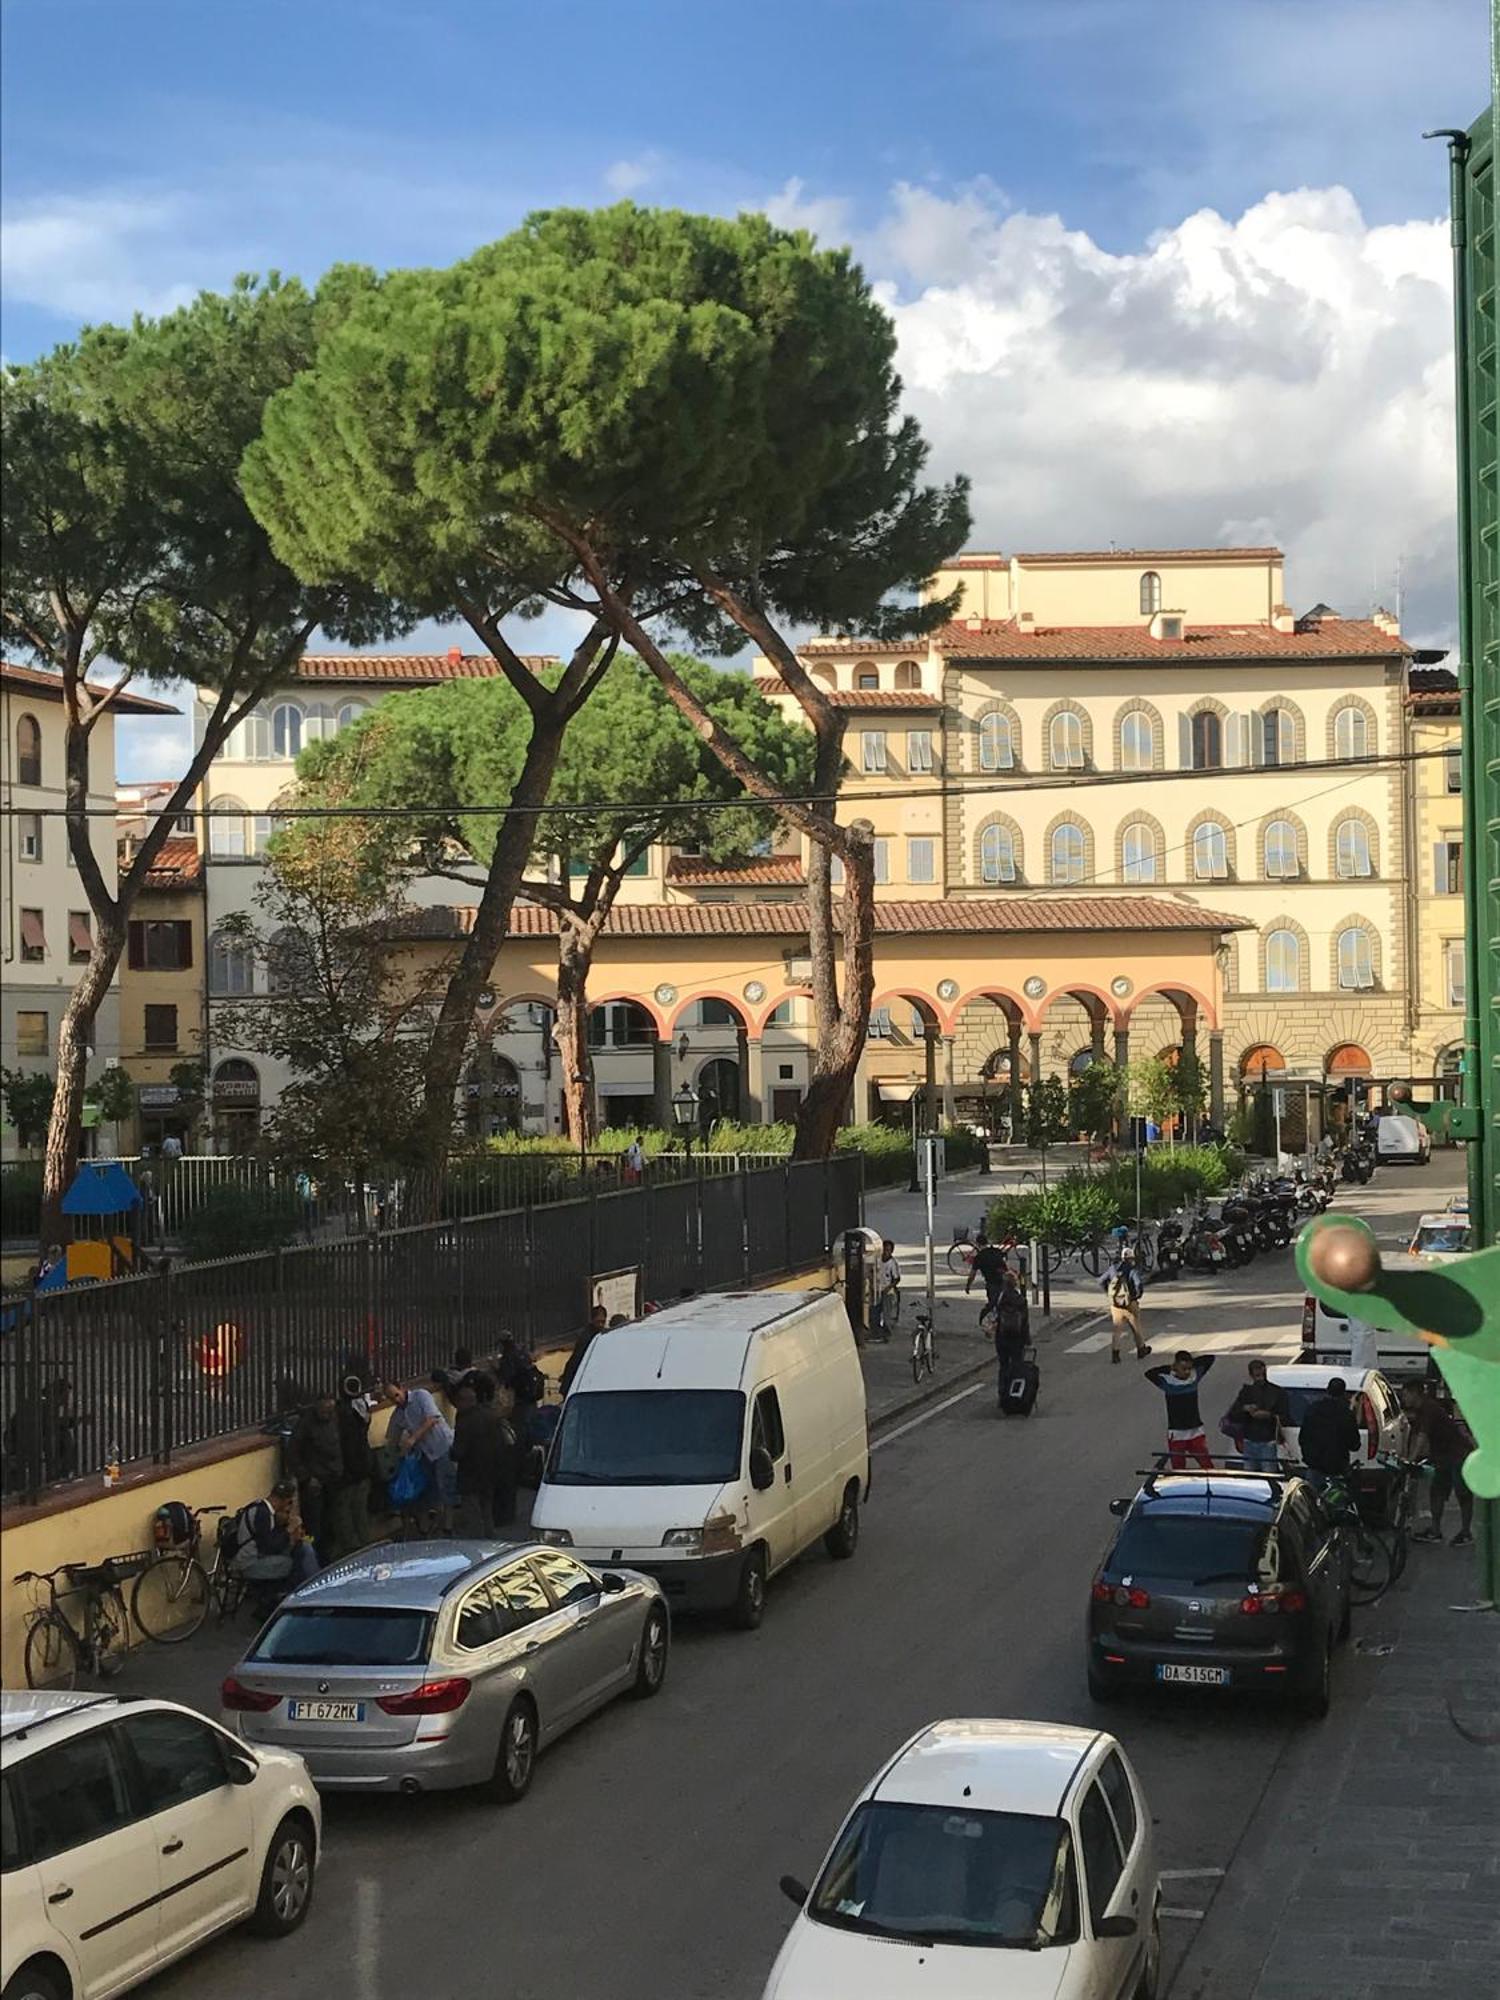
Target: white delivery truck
[{"x": 710, "y": 1444}]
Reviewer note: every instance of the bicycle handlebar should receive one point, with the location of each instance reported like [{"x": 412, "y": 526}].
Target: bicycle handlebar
[{"x": 199, "y": 1512}]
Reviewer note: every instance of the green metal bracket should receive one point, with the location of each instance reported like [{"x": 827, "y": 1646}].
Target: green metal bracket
[{"x": 1454, "y": 1308}]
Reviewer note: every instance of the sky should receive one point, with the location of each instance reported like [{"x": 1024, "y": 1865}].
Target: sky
[{"x": 1163, "y": 271}]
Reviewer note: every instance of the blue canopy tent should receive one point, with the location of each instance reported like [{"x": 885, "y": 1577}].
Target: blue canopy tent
[{"x": 102, "y": 1195}]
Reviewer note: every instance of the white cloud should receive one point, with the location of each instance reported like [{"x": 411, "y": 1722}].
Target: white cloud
[
  {"x": 826, "y": 216},
  {"x": 627, "y": 177},
  {"x": 1284, "y": 375},
  {"x": 94, "y": 256}
]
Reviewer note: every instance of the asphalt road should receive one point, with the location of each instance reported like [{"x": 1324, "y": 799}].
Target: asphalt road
[{"x": 645, "y": 1861}]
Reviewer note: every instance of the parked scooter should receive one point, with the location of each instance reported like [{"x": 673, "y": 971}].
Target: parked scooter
[{"x": 1169, "y": 1252}]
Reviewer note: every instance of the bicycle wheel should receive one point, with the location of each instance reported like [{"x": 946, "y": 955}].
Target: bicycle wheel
[
  {"x": 169, "y": 1600},
  {"x": 1091, "y": 1257},
  {"x": 1143, "y": 1250},
  {"x": 960, "y": 1255},
  {"x": 1370, "y": 1565},
  {"x": 110, "y": 1631},
  {"x": 916, "y": 1360},
  {"x": 51, "y": 1652}
]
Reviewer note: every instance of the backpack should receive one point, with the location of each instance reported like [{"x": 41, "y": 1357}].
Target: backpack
[
  {"x": 253, "y": 1520},
  {"x": 1010, "y": 1314},
  {"x": 530, "y": 1384},
  {"x": 172, "y": 1525},
  {"x": 1120, "y": 1293}
]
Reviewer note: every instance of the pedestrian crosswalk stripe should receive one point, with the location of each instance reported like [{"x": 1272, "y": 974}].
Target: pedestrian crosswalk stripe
[{"x": 1231, "y": 1342}]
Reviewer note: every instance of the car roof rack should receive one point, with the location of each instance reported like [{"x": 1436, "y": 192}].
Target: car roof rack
[{"x": 1149, "y": 1476}]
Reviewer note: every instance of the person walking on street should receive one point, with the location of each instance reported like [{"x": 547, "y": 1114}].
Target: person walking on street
[
  {"x": 1256, "y": 1416},
  {"x": 598, "y": 1323},
  {"x": 887, "y": 1288},
  {"x": 1012, "y": 1326},
  {"x": 1439, "y": 1433},
  {"x": 315, "y": 1459},
  {"x": 989, "y": 1263},
  {"x": 417, "y": 1424},
  {"x": 1123, "y": 1288},
  {"x": 1328, "y": 1434},
  {"x": 1179, "y": 1384}
]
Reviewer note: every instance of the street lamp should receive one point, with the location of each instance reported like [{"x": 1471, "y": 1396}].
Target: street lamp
[{"x": 685, "y": 1114}]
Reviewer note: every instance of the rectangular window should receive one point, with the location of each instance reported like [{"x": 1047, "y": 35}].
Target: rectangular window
[
  {"x": 1453, "y": 771},
  {"x": 80, "y": 937},
  {"x": 882, "y": 861},
  {"x": 918, "y": 750},
  {"x": 1448, "y": 879},
  {"x": 161, "y": 1027},
  {"x": 920, "y": 861},
  {"x": 73, "y": 1793},
  {"x": 1455, "y": 970},
  {"x": 31, "y": 1034},
  {"x": 29, "y": 836},
  {"x": 160, "y": 946},
  {"x": 33, "y": 937},
  {"x": 879, "y": 1029},
  {"x": 872, "y": 750}
]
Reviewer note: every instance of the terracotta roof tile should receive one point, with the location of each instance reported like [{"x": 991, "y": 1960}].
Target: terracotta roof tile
[
  {"x": 896, "y": 699},
  {"x": 1144, "y": 555},
  {"x": 178, "y": 865},
  {"x": 974, "y": 915},
  {"x": 1321, "y": 639},
  {"x": 49, "y": 686},
  {"x": 875, "y": 649},
  {"x": 772, "y": 871},
  {"x": 413, "y": 669}
]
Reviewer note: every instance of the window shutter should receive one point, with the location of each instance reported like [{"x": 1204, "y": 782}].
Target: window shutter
[
  {"x": 184, "y": 947},
  {"x": 1185, "y": 742},
  {"x": 137, "y": 953}
]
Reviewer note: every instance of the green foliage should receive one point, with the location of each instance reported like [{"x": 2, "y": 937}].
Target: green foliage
[
  {"x": 1093, "y": 1099},
  {"x": 1083, "y": 1204},
  {"x": 114, "y": 1093},
  {"x": 27, "y": 1094},
  {"x": 233, "y": 1219},
  {"x": 1047, "y": 1119}
]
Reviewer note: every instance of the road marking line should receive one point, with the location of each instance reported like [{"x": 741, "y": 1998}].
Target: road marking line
[
  {"x": 1192, "y": 1916},
  {"x": 367, "y": 1937},
  {"x": 1230, "y": 1342},
  {"x": 937, "y": 1409},
  {"x": 1185, "y": 1874}
]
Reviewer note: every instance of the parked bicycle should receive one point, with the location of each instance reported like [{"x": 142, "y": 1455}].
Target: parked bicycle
[
  {"x": 1371, "y": 1570},
  {"x": 961, "y": 1251},
  {"x": 923, "y": 1352},
  {"x": 171, "y": 1597},
  {"x": 57, "y": 1650}
]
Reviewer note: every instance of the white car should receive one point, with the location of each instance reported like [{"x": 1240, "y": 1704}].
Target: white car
[
  {"x": 979, "y": 1837},
  {"x": 1375, "y": 1405},
  {"x": 133, "y": 1831},
  {"x": 1440, "y": 1237}
]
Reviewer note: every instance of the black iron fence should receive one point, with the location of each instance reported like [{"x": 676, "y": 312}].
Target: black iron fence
[{"x": 144, "y": 1367}]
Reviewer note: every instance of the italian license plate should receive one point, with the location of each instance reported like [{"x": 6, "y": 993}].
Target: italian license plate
[
  {"x": 325, "y": 1711},
  {"x": 1195, "y": 1676}
]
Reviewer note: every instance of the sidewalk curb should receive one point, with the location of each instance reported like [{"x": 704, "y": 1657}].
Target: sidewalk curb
[{"x": 944, "y": 1386}]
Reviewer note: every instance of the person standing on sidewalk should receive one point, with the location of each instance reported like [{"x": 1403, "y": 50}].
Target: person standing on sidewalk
[
  {"x": 887, "y": 1287},
  {"x": 1328, "y": 1435},
  {"x": 1012, "y": 1326},
  {"x": 1438, "y": 1432},
  {"x": 417, "y": 1424},
  {"x": 1256, "y": 1416},
  {"x": 1179, "y": 1384},
  {"x": 315, "y": 1459},
  {"x": 1123, "y": 1288}
]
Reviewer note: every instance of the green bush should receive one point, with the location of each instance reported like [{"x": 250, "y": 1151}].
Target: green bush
[
  {"x": 21, "y": 1198},
  {"x": 232, "y": 1220},
  {"x": 1083, "y": 1204}
]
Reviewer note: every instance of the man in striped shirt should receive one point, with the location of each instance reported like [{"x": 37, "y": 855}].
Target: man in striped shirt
[{"x": 1179, "y": 1384}]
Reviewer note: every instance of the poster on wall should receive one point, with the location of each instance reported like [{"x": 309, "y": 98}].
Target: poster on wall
[{"x": 618, "y": 1292}]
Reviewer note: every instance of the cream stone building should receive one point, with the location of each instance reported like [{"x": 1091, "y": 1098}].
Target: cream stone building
[
  {"x": 1434, "y": 807},
  {"x": 46, "y": 925}
]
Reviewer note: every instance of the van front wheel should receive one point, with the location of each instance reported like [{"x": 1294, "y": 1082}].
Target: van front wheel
[
  {"x": 749, "y": 1605},
  {"x": 842, "y": 1538}
]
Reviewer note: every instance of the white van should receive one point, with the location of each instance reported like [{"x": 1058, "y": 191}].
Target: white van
[
  {"x": 1400, "y": 1357},
  {"x": 1401, "y": 1140},
  {"x": 711, "y": 1444}
]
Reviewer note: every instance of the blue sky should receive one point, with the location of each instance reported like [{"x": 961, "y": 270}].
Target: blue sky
[{"x": 1027, "y": 180}]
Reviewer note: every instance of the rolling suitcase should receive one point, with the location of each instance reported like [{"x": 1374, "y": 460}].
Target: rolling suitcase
[{"x": 1019, "y": 1386}]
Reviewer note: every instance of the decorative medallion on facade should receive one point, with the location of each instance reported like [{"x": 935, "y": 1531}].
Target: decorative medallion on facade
[
  {"x": 947, "y": 989},
  {"x": 1034, "y": 987},
  {"x": 1121, "y": 987},
  {"x": 665, "y": 995},
  {"x": 754, "y": 992}
]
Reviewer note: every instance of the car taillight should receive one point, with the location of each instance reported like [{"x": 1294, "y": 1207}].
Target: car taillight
[
  {"x": 1103, "y": 1592},
  {"x": 1309, "y": 1316},
  {"x": 431, "y": 1698},
  {"x": 1273, "y": 1600},
  {"x": 234, "y": 1694},
  {"x": 1137, "y": 1599}
]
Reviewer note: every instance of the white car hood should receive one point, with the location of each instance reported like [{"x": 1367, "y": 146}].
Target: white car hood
[
  {"x": 818, "y": 1962},
  {"x": 622, "y": 1517}
]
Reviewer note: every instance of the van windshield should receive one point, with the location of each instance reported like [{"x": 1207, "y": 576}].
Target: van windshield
[{"x": 648, "y": 1437}]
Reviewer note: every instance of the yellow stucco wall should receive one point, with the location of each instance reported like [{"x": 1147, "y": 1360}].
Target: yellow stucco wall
[{"x": 1437, "y": 815}]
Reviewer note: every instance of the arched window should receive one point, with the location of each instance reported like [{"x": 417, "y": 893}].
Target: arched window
[
  {"x": 261, "y": 829},
  {"x": 1065, "y": 741},
  {"x": 908, "y": 674},
  {"x": 28, "y": 750},
  {"x": 1356, "y": 961},
  {"x": 621, "y": 1024},
  {"x": 1210, "y": 853},
  {"x": 286, "y": 729},
  {"x": 1137, "y": 742},
  {"x": 231, "y": 966},
  {"x": 1262, "y": 1057},
  {"x": 249, "y": 740},
  {"x": 1351, "y": 733},
  {"x": 290, "y": 964},
  {"x": 1068, "y": 852},
  {"x": 226, "y": 829},
  {"x": 997, "y": 855},
  {"x": 1280, "y": 851},
  {"x": 350, "y": 711},
  {"x": 1150, "y": 593},
  {"x": 1347, "y": 1059},
  {"x": 1207, "y": 741},
  {"x": 1278, "y": 738},
  {"x": 318, "y": 722},
  {"x": 996, "y": 749},
  {"x": 1138, "y": 853},
  {"x": 1283, "y": 962},
  {"x": 1351, "y": 848},
  {"x": 866, "y": 676}
]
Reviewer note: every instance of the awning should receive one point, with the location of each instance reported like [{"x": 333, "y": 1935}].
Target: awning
[
  {"x": 105, "y": 1189},
  {"x": 33, "y": 935},
  {"x": 80, "y": 942},
  {"x": 897, "y": 1093}
]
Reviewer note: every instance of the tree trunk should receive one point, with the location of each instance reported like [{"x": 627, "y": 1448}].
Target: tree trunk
[
  {"x": 574, "y": 952},
  {"x": 64, "y": 1128}
]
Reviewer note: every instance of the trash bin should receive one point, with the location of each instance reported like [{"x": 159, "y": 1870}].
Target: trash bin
[{"x": 861, "y": 1263}]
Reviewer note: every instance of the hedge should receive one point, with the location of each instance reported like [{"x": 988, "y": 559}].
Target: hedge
[{"x": 1082, "y": 1204}]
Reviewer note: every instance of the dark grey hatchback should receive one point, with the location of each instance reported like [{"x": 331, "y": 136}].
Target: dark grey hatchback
[{"x": 1228, "y": 1580}]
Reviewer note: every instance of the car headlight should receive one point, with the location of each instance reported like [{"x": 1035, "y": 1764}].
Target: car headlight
[
  {"x": 683, "y": 1538},
  {"x": 558, "y": 1537}
]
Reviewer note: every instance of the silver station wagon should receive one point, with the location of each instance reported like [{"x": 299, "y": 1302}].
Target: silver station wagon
[{"x": 421, "y": 1666}]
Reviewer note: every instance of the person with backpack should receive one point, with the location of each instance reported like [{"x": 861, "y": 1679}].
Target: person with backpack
[
  {"x": 267, "y": 1545},
  {"x": 1012, "y": 1325},
  {"x": 349, "y": 1501},
  {"x": 1123, "y": 1288},
  {"x": 315, "y": 1459},
  {"x": 515, "y": 1370},
  {"x": 988, "y": 1262}
]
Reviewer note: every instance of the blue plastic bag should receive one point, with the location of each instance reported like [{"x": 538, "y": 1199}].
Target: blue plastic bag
[{"x": 409, "y": 1481}]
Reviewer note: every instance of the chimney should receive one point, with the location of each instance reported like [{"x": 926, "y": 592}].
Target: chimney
[
  {"x": 1283, "y": 618},
  {"x": 1025, "y": 621},
  {"x": 974, "y": 624},
  {"x": 455, "y": 656},
  {"x": 1386, "y": 621},
  {"x": 1168, "y": 625}
]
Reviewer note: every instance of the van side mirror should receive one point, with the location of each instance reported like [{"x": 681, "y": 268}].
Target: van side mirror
[
  {"x": 793, "y": 1890},
  {"x": 611, "y": 1584},
  {"x": 1119, "y": 1506},
  {"x": 1116, "y": 1927},
  {"x": 762, "y": 1470}
]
